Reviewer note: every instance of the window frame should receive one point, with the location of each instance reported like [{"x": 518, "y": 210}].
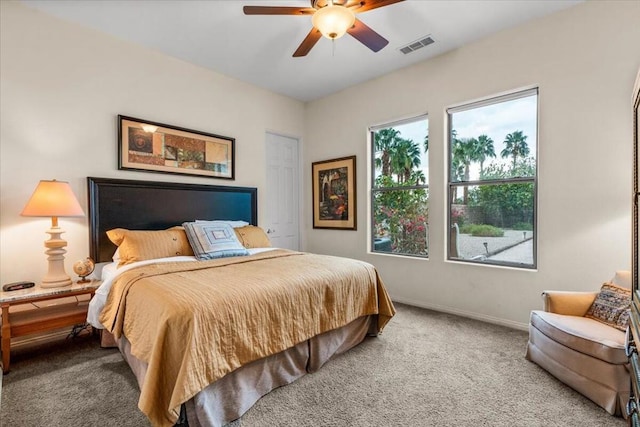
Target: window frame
[
  {"x": 373, "y": 189},
  {"x": 493, "y": 100}
]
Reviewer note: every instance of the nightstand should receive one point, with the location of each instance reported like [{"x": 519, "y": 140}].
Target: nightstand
[{"x": 41, "y": 318}]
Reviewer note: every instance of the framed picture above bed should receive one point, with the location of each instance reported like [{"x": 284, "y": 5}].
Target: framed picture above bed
[
  {"x": 148, "y": 146},
  {"x": 334, "y": 193}
]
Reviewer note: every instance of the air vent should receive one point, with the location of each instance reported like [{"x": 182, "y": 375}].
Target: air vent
[{"x": 418, "y": 44}]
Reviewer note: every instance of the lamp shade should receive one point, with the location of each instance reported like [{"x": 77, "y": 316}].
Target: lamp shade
[
  {"x": 53, "y": 198},
  {"x": 333, "y": 21}
]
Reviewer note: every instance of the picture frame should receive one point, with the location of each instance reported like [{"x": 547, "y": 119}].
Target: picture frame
[
  {"x": 148, "y": 146},
  {"x": 334, "y": 193}
]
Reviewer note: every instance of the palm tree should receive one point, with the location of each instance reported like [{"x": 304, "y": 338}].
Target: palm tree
[
  {"x": 405, "y": 157},
  {"x": 417, "y": 177},
  {"x": 384, "y": 142},
  {"x": 515, "y": 146},
  {"x": 485, "y": 150},
  {"x": 464, "y": 151},
  {"x": 457, "y": 168}
]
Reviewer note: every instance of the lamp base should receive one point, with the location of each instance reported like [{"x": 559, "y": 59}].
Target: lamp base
[
  {"x": 56, "y": 283},
  {"x": 56, "y": 277}
]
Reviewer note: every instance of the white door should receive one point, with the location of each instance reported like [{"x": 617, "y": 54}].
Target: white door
[{"x": 282, "y": 191}]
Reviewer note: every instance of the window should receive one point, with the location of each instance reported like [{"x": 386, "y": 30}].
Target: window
[
  {"x": 492, "y": 180},
  {"x": 400, "y": 188}
]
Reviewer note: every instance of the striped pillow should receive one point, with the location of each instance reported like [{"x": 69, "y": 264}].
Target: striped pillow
[{"x": 211, "y": 240}]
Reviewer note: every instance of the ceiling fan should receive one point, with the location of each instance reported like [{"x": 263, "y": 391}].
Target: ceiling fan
[{"x": 332, "y": 19}]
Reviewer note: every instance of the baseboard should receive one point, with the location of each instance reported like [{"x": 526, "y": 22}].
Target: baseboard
[{"x": 469, "y": 314}]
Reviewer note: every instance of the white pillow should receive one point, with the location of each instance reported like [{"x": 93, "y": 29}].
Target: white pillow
[
  {"x": 213, "y": 239},
  {"x": 622, "y": 278},
  {"x": 109, "y": 271}
]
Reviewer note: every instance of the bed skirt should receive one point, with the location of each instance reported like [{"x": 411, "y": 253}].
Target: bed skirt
[{"x": 231, "y": 396}]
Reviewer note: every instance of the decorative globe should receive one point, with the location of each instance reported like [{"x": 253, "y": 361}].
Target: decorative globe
[{"x": 83, "y": 268}]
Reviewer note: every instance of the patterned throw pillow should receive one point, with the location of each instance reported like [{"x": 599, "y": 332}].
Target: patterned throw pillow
[
  {"x": 211, "y": 240},
  {"x": 612, "y": 306}
]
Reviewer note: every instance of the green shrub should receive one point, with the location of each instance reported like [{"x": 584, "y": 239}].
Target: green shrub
[
  {"x": 465, "y": 228},
  {"x": 523, "y": 226},
  {"x": 481, "y": 230}
]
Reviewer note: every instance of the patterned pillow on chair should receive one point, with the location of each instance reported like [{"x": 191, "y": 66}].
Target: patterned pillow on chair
[{"x": 612, "y": 306}]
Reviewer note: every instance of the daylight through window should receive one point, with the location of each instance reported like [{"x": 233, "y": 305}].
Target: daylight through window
[
  {"x": 492, "y": 180},
  {"x": 400, "y": 188}
]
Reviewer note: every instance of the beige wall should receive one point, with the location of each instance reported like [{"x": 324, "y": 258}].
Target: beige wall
[
  {"x": 62, "y": 87},
  {"x": 584, "y": 61}
]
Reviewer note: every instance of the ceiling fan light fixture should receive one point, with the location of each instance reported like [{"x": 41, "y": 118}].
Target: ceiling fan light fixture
[{"x": 333, "y": 21}]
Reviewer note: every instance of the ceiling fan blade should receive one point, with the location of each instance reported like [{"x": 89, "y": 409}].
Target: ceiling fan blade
[
  {"x": 277, "y": 10},
  {"x": 364, "y": 5},
  {"x": 308, "y": 42},
  {"x": 365, "y": 35}
]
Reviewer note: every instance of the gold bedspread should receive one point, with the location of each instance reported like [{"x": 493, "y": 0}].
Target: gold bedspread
[{"x": 194, "y": 322}]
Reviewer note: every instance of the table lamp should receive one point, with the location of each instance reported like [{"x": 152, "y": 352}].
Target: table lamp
[{"x": 54, "y": 199}]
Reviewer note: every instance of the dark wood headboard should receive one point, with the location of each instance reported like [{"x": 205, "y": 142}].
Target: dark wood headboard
[{"x": 150, "y": 205}]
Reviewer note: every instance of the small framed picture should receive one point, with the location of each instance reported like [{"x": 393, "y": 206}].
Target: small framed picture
[
  {"x": 156, "y": 147},
  {"x": 334, "y": 193}
]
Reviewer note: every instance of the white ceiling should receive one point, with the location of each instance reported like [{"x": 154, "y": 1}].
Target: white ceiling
[{"x": 258, "y": 49}]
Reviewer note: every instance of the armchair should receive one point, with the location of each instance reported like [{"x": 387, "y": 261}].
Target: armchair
[{"x": 583, "y": 353}]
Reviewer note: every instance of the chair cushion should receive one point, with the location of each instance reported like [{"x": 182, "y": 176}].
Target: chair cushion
[{"x": 582, "y": 334}]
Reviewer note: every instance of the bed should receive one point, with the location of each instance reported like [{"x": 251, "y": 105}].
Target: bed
[{"x": 207, "y": 338}]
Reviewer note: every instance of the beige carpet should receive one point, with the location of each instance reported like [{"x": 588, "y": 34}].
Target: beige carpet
[{"x": 427, "y": 369}]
